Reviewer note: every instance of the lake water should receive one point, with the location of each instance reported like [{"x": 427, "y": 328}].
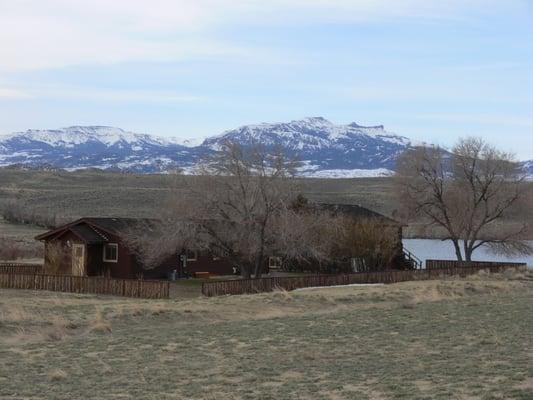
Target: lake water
[{"x": 443, "y": 250}]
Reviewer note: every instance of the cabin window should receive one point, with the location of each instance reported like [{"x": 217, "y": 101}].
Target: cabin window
[
  {"x": 274, "y": 262},
  {"x": 111, "y": 252},
  {"x": 192, "y": 255}
]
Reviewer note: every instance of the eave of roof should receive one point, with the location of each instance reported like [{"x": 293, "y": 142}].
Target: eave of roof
[
  {"x": 363, "y": 211},
  {"x": 101, "y": 225}
]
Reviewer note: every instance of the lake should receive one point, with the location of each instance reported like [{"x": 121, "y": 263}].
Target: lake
[{"x": 443, "y": 250}]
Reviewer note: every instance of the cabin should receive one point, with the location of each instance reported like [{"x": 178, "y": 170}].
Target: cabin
[
  {"x": 97, "y": 247},
  {"x": 388, "y": 227},
  {"x": 349, "y": 261}
]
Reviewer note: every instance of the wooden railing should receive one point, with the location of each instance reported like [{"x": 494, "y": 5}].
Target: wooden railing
[
  {"x": 20, "y": 268},
  {"x": 248, "y": 286},
  {"x": 86, "y": 284},
  {"x": 414, "y": 260},
  {"x": 450, "y": 264}
]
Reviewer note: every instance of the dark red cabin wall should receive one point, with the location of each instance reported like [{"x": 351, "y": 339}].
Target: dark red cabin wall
[
  {"x": 126, "y": 265},
  {"x": 204, "y": 263}
]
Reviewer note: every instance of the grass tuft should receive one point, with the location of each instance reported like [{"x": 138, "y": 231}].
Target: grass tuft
[
  {"x": 57, "y": 375},
  {"x": 99, "y": 324}
]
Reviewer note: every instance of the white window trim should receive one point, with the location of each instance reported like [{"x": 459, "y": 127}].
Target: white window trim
[
  {"x": 115, "y": 245},
  {"x": 278, "y": 262},
  {"x": 194, "y": 257}
]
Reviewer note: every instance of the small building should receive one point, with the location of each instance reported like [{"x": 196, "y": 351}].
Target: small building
[
  {"x": 98, "y": 247},
  {"x": 349, "y": 261}
]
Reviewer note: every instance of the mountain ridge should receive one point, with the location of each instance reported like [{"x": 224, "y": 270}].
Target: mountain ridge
[{"x": 324, "y": 148}]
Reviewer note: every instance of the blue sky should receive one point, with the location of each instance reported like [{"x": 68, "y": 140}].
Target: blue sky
[{"x": 429, "y": 70}]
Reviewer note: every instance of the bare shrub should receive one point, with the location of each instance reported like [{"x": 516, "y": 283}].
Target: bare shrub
[
  {"x": 372, "y": 241},
  {"x": 10, "y": 249},
  {"x": 20, "y": 213},
  {"x": 56, "y": 256}
]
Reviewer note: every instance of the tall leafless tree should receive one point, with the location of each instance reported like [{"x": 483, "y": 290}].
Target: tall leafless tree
[
  {"x": 238, "y": 205},
  {"x": 467, "y": 192}
]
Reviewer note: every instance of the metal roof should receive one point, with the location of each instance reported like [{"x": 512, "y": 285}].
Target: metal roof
[{"x": 88, "y": 234}]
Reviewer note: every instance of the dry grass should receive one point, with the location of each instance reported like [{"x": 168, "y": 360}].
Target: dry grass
[
  {"x": 81, "y": 193},
  {"x": 417, "y": 340},
  {"x": 99, "y": 324},
  {"x": 58, "y": 375}
]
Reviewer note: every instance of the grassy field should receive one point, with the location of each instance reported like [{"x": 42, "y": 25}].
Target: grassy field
[
  {"x": 69, "y": 195},
  {"x": 454, "y": 339},
  {"x": 20, "y": 237},
  {"x": 114, "y": 194}
]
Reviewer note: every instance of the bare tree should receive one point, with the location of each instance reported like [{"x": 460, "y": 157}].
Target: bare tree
[
  {"x": 467, "y": 192},
  {"x": 231, "y": 207},
  {"x": 244, "y": 191}
]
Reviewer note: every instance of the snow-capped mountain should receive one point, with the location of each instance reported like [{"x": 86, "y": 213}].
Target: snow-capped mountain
[
  {"x": 104, "y": 147},
  {"x": 323, "y": 146},
  {"x": 325, "y": 149},
  {"x": 528, "y": 168}
]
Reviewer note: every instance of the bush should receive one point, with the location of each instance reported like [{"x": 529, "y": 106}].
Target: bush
[
  {"x": 16, "y": 212},
  {"x": 11, "y": 249}
]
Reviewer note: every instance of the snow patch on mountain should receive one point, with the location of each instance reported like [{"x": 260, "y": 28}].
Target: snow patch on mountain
[
  {"x": 76, "y": 135},
  {"x": 349, "y": 173},
  {"x": 327, "y": 149}
]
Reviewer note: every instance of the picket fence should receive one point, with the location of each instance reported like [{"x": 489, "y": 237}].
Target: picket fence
[
  {"x": 248, "y": 286},
  {"x": 86, "y": 284},
  {"x": 20, "y": 268},
  {"x": 449, "y": 264}
]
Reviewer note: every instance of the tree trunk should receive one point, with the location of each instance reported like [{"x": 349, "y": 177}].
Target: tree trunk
[
  {"x": 259, "y": 265},
  {"x": 469, "y": 250},
  {"x": 245, "y": 271},
  {"x": 457, "y": 250}
]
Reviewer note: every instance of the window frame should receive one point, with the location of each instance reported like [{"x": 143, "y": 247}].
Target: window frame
[
  {"x": 115, "y": 246},
  {"x": 279, "y": 263},
  {"x": 194, "y": 255}
]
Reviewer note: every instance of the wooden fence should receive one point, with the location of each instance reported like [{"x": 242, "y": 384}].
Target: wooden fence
[
  {"x": 447, "y": 264},
  {"x": 247, "y": 286},
  {"x": 19, "y": 268},
  {"x": 86, "y": 284}
]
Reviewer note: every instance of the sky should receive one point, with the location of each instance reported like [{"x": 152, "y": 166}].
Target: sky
[{"x": 433, "y": 71}]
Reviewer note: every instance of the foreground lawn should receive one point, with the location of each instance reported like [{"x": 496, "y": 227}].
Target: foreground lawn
[{"x": 456, "y": 339}]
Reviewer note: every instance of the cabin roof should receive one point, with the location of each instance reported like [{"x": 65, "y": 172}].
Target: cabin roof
[
  {"x": 88, "y": 234},
  {"x": 94, "y": 229},
  {"x": 118, "y": 225},
  {"x": 356, "y": 211}
]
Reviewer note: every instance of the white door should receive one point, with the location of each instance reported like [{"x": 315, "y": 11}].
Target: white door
[{"x": 78, "y": 259}]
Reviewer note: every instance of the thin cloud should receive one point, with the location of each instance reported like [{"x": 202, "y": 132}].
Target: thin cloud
[
  {"x": 38, "y": 34},
  {"x": 98, "y": 94},
  {"x": 13, "y": 94},
  {"x": 479, "y": 119}
]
